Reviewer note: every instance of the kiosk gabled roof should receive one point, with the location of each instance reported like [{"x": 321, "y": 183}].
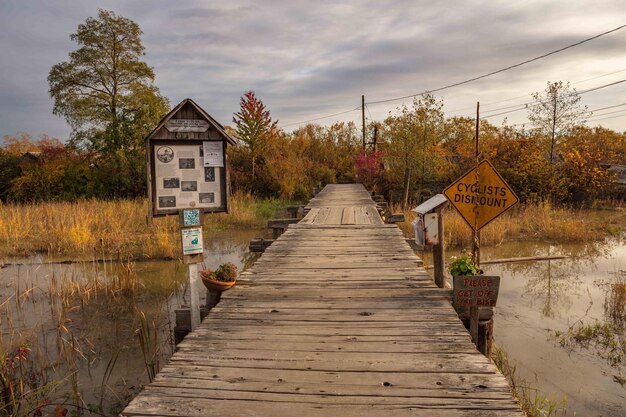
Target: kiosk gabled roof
[{"x": 214, "y": 123}]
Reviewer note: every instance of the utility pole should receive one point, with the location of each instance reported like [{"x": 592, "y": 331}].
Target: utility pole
[
  {"x": 474, "y": 313},
  {"x": 363, "y": 118},
  {"x": 476, "y": 233},
  {"x": 375, "y": 135}
]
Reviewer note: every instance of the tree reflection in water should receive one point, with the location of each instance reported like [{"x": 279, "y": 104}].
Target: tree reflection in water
[{"x": 553, "y": 284}]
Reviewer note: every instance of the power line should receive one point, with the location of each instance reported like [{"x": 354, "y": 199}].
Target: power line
[
  {"x": 606, "y": 114},
  {"x": 465, "y": 81},
  {"x": 610, "y": 117},
  {"x": 526, "y": 95},
  {"x": 323, "y": 117},
  {"x": 591, "y": 111},
  {"x": 500, "y": 70},
  {"x": 568, "y": 95},
  {"x": 609, "y": 107},
  {"x": 524, "y": 106}
]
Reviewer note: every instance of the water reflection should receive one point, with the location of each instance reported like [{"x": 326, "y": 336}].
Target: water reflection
[
  {"x": 551, "y": 286},
  {"x": 77, "y": 327},
  {"x": 539, "y": 299}
]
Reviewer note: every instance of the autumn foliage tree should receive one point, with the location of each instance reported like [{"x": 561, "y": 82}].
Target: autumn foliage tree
[
  {"x": 107, "y": 95},
  {"x": 556, "y": 112},
  {"x": 369, "y": 168},
  {"x": 254, "y": 127}
]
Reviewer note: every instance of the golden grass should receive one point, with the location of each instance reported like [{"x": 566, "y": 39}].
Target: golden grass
[
  {"x": 533, "y": 221},
  {"x": 118, "y": 228}
]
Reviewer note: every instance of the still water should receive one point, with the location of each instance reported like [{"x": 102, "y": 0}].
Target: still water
[
  {"x": 540, "y": 300},
  {"x": 77, "y": 327},
  {"x": 89, "y": 347}
]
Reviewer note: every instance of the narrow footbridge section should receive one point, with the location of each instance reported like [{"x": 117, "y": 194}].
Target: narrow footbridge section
[{"x": 337, "y": 318}]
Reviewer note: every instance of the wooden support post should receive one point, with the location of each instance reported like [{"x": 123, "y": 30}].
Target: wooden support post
[
  {"x": 485, "y": 337},
  {"x": 363, "y": 118},
  {"x": 439, "y": 253},
  {"x": 192, "y": 245},
  {"x": 194, "y": 295},
  {"x": 212, "y": 298},
  {"x": 473, "y": 322}
]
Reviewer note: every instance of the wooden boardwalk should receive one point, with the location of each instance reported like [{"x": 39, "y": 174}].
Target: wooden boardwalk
[{"x": 335, "y": 319}]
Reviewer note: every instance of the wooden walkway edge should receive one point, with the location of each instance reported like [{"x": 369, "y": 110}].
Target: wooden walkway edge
[{"x": 335, "y": 319}]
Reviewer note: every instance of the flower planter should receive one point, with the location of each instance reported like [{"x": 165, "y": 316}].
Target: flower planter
[{"x": 214, "y": 285}]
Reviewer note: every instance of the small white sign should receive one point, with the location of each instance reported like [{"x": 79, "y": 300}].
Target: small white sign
[
  {"x": 187, "y": 125},
  {"x": 192, "y": 240},
  {"x": 213, "y": 153}
]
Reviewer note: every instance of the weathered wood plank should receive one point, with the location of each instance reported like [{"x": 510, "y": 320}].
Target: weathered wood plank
[{"x": 347, "y": 217}]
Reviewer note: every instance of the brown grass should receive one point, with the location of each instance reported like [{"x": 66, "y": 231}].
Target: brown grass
[
  {"x": 119, "y": 229},
  {"x": 534, "y": 221}
]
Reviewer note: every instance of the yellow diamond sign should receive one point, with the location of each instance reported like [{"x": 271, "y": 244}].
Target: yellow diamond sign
[{"x": 480, "y": 195}]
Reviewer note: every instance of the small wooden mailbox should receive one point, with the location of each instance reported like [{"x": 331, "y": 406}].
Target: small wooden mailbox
[
  {"x": 186, "y": 162},
  {"x": 429, "y": 227}
]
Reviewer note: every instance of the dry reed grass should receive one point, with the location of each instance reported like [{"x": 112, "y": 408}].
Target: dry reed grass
[
  {"x": 535, "y": 222},
  {"x": 105, "y": 229}
]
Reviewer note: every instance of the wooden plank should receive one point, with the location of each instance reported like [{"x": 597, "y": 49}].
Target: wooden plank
[
  {"x": 336, "y": 318},
  {"x": 347, "y": 217},
  {"x": 361, "y": 217},
  {"x": 310, "y": 216},
  {"x": 334, "y": 216},
  {"x": 322, "y": 215}
]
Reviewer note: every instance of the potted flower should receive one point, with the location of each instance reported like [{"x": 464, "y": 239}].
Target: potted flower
[
  {"x": 220, "y": 279},
  {"x": 464, "y": 265}
]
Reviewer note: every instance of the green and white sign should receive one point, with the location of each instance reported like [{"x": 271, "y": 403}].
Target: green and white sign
[{"x": 192, "y": 240}]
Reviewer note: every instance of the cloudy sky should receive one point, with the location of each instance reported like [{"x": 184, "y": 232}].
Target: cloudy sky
[{"x": 309, "y": 59}]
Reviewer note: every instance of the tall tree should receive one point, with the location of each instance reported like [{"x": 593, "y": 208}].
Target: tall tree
[
  {"x": 411, "y": 136},
  {"x": 255, "y": 127},
  {"x": 105, "y": 91},
  {"x": 556, "y": 112}
]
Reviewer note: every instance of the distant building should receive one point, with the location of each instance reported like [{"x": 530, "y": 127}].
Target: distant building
[
  {"x": 619, "y": 171},
  {"x": 618, "y": 188}
]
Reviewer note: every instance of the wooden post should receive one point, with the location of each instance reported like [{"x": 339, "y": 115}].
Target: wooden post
[
  {"x": 192, "y": 257},
  {"x": 194, "y": 302},
  {"x": 363, "y": 119},
  {"x": 375, "y": 136},
  {"x": 474, "y": 324},
  {"x": 439, "y": 253},
  {"x": 485, "y": 337},
  {"x": 476, "y": 234}
]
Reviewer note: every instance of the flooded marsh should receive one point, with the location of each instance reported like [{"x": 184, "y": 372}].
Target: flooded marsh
[{"x": 82, "y": 338}]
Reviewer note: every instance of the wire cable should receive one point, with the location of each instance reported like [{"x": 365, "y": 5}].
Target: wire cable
[
  {"x": 525, "y": 105},
  {"x": 465, "y": 81},
  {"x": 321, "y": 118},
  {"x": 502, "y": 69}
]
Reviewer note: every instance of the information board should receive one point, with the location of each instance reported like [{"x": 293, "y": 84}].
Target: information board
[{"x": 183, "y": 179}]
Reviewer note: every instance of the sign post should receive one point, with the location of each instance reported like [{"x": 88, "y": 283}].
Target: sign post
[
  {"x": 480, "y": 202},
  {"x": 192, "y": 245},
  {"x": 188, "y": 176},
  {"x": 474, "y": 292},
  {"x": 480, "y": 196}
]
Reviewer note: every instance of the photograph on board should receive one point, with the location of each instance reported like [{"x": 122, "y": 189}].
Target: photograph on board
[
  {"x": 167, "y": 201},
  {"x": 189, "y": 186},
  {"x": 165, "y": 154},
  {"x": 206, "y": 198},
  {"x": 187, "y": 163},
  {"x": 171, "y": 183},
  {"x": 209, "y": 174}
]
